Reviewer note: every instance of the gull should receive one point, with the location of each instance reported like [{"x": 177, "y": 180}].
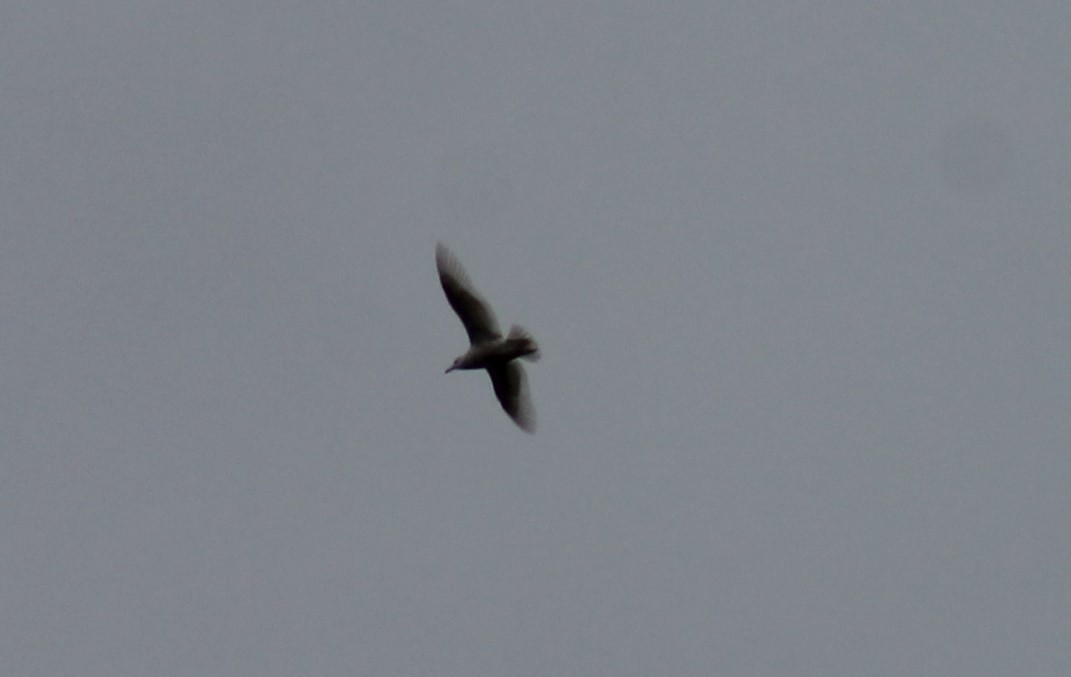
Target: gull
[{"x": 487, "y": 349}]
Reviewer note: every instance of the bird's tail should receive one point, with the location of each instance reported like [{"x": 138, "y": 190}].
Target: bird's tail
[{"x": 521, "y": 341}]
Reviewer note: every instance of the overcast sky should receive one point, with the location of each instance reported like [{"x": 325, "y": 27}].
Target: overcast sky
[{"x": 799, "y": 270}]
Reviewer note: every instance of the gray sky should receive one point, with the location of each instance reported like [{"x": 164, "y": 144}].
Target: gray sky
[{"x": 799, "y": 271}]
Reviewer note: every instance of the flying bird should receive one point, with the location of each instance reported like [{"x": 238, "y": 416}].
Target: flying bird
[{"x": 488, "y": 349}]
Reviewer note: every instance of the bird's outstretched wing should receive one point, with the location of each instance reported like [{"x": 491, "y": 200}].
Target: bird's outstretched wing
[
  {"x": 511, "y": 388},
  {"x": 475, "y": 314}
]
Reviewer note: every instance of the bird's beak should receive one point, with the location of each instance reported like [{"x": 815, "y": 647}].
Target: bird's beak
[{"x": 449, "y": 369}]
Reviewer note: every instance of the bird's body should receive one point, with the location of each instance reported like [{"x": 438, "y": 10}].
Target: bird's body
[
  {"x": 488, "y": 349},
  {"x": 497, "y": 352}
]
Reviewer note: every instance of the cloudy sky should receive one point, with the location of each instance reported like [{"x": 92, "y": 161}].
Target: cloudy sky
[{"x": 800, "y": 273}]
